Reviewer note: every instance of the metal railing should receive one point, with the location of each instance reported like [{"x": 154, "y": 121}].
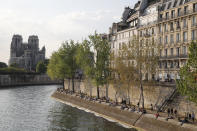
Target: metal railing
[
  {"x": 182, "y": 13},
  {"x": 174, "y": 56}
]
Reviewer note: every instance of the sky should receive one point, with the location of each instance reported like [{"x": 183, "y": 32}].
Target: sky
[{"x": 56, "y": 21}]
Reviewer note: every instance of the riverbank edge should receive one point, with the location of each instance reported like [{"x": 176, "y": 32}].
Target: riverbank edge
[
  {"x": 124, "y": 118},
  {"x": 28, "y": 84}
]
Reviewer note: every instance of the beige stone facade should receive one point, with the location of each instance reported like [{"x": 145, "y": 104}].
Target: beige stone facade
[{"x": 172, "y": 24}]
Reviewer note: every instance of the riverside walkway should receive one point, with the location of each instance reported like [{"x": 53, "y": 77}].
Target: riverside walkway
[{"x": 125, "y": 116}]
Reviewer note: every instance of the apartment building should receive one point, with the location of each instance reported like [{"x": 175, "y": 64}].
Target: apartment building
[
  {"x": 177, "y": 28},
  {"x": 170, "y": 23}
]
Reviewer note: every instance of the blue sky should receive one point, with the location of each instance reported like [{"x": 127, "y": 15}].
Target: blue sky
[{"x": 56, "y": 21}]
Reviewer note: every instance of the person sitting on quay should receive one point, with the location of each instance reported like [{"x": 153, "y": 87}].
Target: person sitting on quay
[
  {"x": 151, "y": 107},
  {"x": 183, "y": 121},
  {"x": 175, "y": 113},
  {"x": 171, "y": 111},
  {"x": 157, "y": 115},
  {"x": 168, "y": 112}
]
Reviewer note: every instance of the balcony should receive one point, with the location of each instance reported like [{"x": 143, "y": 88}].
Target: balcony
[
  {"x": 171, "y": 29},
  {"x": 194, "y": 24},
  {"x": 181, "y": 13},
  {"x": 178, "y": 28},
  {"x": 181, "y": 56},
  {"x": 146, "y": 35}
]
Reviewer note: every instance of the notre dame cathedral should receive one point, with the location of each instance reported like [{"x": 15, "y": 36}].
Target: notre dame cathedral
[{"x": 26, "y": 55}]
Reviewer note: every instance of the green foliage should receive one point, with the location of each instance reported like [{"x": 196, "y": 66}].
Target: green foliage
[
  {"x": 12, "y": 70},
  {"x": 3, "y": 65},
  {"x": 101, "y": 61},
  {"x": 63, "y": 62},
  {"x": 41, "y": 67},
  {"x": 14, "y": 65},
  {"x": 187, "y": 85},
  {"x": 85, "y": 59}
]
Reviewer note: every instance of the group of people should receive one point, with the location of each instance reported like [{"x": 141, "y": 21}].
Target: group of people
[{"x": 170, "y": 111}]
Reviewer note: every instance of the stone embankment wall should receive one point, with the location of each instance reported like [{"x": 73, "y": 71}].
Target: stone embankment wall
[
  {"x": 25, "y": 79},
  {"x": 121, "y": 116},
  {"x": 154, "y": 95}
]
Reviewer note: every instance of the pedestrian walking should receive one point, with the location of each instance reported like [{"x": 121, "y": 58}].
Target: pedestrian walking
[
  {"x": 193, "y": 117},
  {"x": 168, "y": 112}
]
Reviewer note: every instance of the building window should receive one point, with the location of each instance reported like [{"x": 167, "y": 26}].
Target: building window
[
  {"x": 141, "y": 33},
  {"x": 153, "y": 31},
  {"x": 171, "y": 64},
  {"x": 181, "y": 2},
  {"x": 172, "y": 51},
  {"x": 167, "y": 15},
  {"x": 179, "y": 12},
  {"x": 160, "y": 65},
  {"x": 169, "y": 5},
  {"x": 160, "y": 53},
  {"x": 165, "y": 28},
  {"x": 178, "y": 51},
  {"x": 177, "y": 37},
  {"x": 178, "y": 25},
  {"x": 178, "y": 65},
  {"x": 166, "y": 39},
  {"x": 185, "y": 10},
  {"x": 171, "y": 38},
  {"x": 175, "y": 2},
  {"x": 119, "y": 46},
  {"x": 194, "y": 34},
  {"x": 166, "y": 52},
  {"x": 184, "y": 36},
  {"x": 160, "y": 40},
  {"x": 160, "y": 29},
  {"x": 171, "y": 26},
  {"x": 193, "y": 20},
  {"x": 195, "y": 7},
  {"x": 185, "y": 23},
  {"x": 184, "y": 50},
  {"x": 166, "y": 64},
  {"x": 172, "y": 14}
]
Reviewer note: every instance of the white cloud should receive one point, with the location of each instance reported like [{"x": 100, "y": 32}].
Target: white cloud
[{"x": 52, "y": 31}]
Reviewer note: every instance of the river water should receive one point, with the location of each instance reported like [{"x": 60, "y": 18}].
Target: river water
[{"x": 31, "y": 109}]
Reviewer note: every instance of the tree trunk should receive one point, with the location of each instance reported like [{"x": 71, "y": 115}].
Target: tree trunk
[
  {"x": 116, "y": 96},
  {"x": 79, "y": 84},
  {"x": 63, "y": 84},
  {"x": 128, "y": 91},
  {"x": 73, "y": 85},
  {"x": 141, "y": 89},
  {"x": 89, "y": 86},
  {"x": 98, "y": 93},
  {"x": 69, "y": 84},
  {"x": 107, "y": 87},
  {"x": 142, "y": 95}
]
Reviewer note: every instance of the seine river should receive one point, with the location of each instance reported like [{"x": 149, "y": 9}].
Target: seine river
[{"x": 31, "y": 109}]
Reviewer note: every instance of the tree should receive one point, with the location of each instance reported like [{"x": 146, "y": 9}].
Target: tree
[
  {"x": 144, "y": 53},
  {"x": 3, "y": 65},
  {"x": 85, "y": 59},
  {"x": 125, "y": 68},
  {"x": 41, "y": 67},
  {"x": 101, "y": 61},
  {"x": 187, "y": 85},
  {"x": 14, "y": 65},
  {"x": 62, "y": 64}
]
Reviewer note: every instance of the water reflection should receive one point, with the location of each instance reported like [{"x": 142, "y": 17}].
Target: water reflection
[{"x": 32, "y": 109}]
